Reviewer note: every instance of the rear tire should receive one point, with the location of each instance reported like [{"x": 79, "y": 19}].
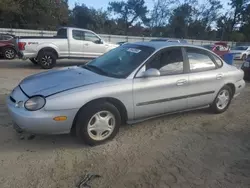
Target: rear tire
[
  {"x": 47, "y": 59},
  {"x": 9, "y": 53},
  {"x": 222, "y": 100},
  {"x": 34, "y": 61},
  {"x": 97, "y": 123}
]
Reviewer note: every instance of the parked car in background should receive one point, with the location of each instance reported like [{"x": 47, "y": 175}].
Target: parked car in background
[
  {"x": 128, "y": 84},
  {"x": 168, "y": 40},
  {"x": 246, "y": 68},
  {"x": 68, "y": 43},
  {"x": 241, "y": 52},
  {"x": 220, "y": 48},
  {"x": 8, "y": 46}
]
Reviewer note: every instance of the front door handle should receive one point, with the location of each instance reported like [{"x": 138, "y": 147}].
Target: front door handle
[
  {"x": 86, "y": 44},
  {"x": 181, "y": 82},
  {"x": 219, "y": 76}
]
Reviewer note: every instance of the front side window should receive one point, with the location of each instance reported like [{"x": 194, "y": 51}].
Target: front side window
[
  {"x": 199, "y": 60},
  {"x": 169, "y": 62},
  {"x": 78, "y": 35},
  {"x": 121, "y": 61},
  {"x": 91, "y": 37}
]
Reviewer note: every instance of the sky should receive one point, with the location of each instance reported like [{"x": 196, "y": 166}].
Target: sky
[{"x": 104, "y": 3}]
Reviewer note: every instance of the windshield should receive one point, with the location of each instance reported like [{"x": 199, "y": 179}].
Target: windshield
[
  {"x": 158, "y": 40},
  {"x": 240, "y": 48},
  {"x": 121, "y": 61}
]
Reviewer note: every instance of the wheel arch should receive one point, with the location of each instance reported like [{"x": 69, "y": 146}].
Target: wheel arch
[
  {"x": 116, "y": 102},
  {"x": 232, "y": 86},
  {"x": 2, "y": 48},
  {"x": 48, "y": 49}
]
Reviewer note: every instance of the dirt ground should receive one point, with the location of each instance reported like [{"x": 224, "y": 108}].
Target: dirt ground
[{"x": 187, "y": 150}]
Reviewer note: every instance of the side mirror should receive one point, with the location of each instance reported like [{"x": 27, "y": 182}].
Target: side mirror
[
  {"x": 99, "y": 41},
  {"x": 151, "y": 73}
]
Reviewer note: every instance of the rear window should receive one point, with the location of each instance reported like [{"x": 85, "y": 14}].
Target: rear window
[{"x": 62, "y": 33}]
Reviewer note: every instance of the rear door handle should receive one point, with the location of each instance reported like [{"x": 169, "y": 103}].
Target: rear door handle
[
  {"x": 219, "y": 76},
  {"x": 181, "y": 82},
  {"x": 86, "y": 44}
]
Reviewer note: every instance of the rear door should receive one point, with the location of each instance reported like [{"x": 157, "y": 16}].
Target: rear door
[
  {"x": 205, "y": 77},
  {"x": 165, "y": 93},
  {"x": 93, "y": 45}
]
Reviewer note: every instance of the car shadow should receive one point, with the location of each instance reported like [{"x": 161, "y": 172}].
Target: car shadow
[{"x": 23, "y": 142}]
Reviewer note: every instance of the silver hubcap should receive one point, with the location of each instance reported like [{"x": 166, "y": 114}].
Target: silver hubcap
[
  {"x": 222, "y": 99},
  {"x": 46, "y": 60},
  {"x": 9, "y": 54},
  {"x": 101, "y": 125}
]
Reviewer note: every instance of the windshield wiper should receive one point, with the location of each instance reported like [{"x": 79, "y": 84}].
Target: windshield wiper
[{"x": 92, "y": 67}]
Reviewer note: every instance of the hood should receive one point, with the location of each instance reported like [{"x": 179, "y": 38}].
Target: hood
[
  {"x": 112, "y": 44},
  {"x": 236, "y": 51},
  {"x": 54, "y": 81}
]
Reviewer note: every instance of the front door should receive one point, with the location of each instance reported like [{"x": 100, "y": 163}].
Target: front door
[
  {"x": 76, "y": 44},
  {"x": 93, "y": 45},
  {"x": 205, "y": 78},
  {"x": 165, "y": 93}
]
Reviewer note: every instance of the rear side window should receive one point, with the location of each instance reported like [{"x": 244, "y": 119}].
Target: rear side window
[
  {"x": 78, "y": 35},
  {"x": 62, "y": 33},
  {"x": 199, "y": 60},
  {"x": 218, "y": 61}
]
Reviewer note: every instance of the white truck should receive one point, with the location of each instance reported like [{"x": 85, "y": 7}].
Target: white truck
[{"x": 68, "y": 43}]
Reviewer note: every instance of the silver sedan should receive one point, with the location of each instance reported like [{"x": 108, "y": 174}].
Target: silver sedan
[{"x": 131, "y": 83}]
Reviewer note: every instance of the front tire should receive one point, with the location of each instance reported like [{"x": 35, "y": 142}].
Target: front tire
[
  {"x": 222, "y": 100},
  {"x": 244, "y": 57},
  {"x": 9, "y": 53},
  {"x": 47, "y": 59},
  {"x": 97, "y": 123}
]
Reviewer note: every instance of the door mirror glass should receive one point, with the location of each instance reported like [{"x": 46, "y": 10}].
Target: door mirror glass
[
  {"x": 99, "y": 41},
  {"x": 151, "y": 73}
]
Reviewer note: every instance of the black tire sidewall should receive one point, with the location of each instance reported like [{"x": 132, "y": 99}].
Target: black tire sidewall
[
  {"x": 84, "y": 116},
  {"x": 244, "y": 57},
  {"x": 214, "y": 106},
  {"x": 33, "y": 61},
  {"x": 6, "y": 49},
  {"x": 47, "y": 53}
]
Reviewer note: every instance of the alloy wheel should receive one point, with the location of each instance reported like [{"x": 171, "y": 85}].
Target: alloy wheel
[{"x": 101, "y": 125}]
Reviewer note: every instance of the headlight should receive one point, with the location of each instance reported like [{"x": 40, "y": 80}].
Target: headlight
[{"x": 35, "y": 103}]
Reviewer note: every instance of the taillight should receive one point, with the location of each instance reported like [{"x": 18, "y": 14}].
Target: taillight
[{"x": 21, "y": 45}]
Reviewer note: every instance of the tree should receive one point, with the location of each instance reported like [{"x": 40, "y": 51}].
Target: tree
[
  {"x": 238, "y": 7},
  {"x": 129, "y": 12},
  {"x": 180, "y": 20},
  {"x": 161, "y": 12},
  {"x": 34, "y": 14}
]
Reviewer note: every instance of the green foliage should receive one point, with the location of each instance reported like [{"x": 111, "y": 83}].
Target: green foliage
[
  {"x": 130, "y": 11},
  {"x": 169, "y": 18}
]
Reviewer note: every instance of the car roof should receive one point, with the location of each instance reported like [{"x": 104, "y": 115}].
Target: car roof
[
  {"x": 160, "y": 45},
  {"x": 76, "y": 28}
]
